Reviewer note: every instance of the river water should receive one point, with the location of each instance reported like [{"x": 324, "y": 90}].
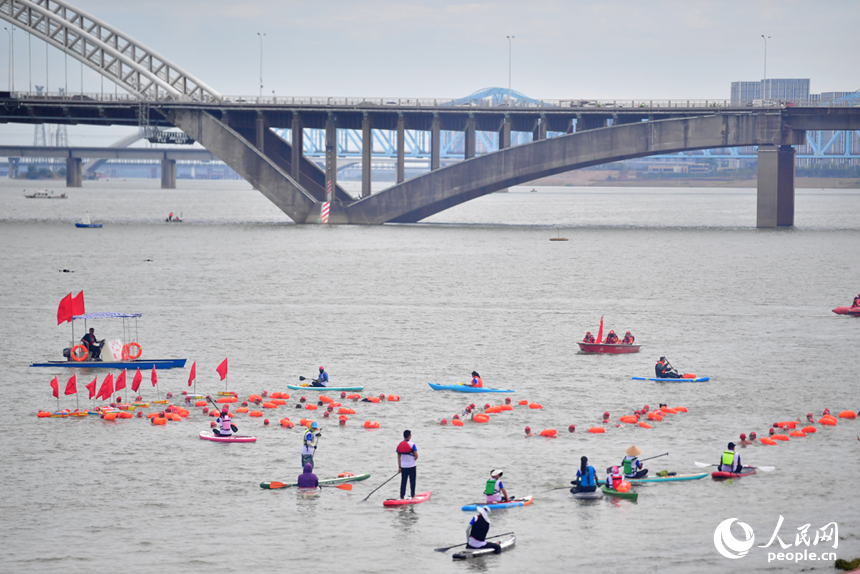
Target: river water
[{"x": 394, "y": 307}]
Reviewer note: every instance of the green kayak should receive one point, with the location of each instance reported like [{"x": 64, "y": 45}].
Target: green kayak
[
  {"x": 625, "y": 495},
  {"x": 339, "y": 480}
]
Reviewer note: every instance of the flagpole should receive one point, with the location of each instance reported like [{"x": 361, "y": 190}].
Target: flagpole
[{"x": 77, "y": 401}]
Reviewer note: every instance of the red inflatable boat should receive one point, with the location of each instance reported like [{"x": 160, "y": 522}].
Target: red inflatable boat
[
  {"x": 615, "y": 349},
  {"x": 855, "y": 311}
]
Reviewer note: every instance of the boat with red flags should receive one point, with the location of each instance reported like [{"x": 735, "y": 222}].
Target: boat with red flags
[{"x": 611, "y": 346}]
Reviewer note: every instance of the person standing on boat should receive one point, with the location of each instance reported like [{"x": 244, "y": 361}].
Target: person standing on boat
[
  {"x": 308, "y": 479},
  {"x": 730, "y": 461},
  {"x": 494, "y": 490},
  {"x": 309, "y": 443},
  {"x": 407, "y": 457},
  {"x": 632, "y": 465},
  {"x": 664, "y": 370},
  {"x": 476, "y": 382},
  {"x": 611, "y": 338},
  {"x": 628, "y": 339},
  {"x": 321, "y": 380},
  {"x": 586, "y": 477},
  {"x": 223, "y": 424},
  {"x": 92, "y": 345},
  {"x": 477, "y": 531},
  {"x": 589, "y": 338}
]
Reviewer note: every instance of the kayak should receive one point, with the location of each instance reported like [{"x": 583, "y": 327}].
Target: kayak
[
  {"x": 309, "y": 388},
  {"x": 664, "y": 478},
  {"x": 696, "y": 380},
  {"x": 506, "y": 543},
  {"x": 634, "y": 496},
  {"x": 498, "y": 505},
  {"x": 607, "y": 349},
  {"x": 207, "y": 435},
  {"x": 339, "y": 480},
  {"x": 466, "y": 389},
  {"x": 308, "y": 492},
  {"x": 855, "y": 311},
  {"x": 586, "y": 495},
  {"x": 419, "y": 498},
  {"x": 720, "y": 475}
]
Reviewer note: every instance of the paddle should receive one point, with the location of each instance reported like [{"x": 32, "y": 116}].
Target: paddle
[
  {"x": 463, "y": 544},
  {"x": 217, "y": 406},
  {"x": 380, "y": 486},
  {"x": 275, "y": 484},
  {"x": 609, "y": 470},
  {"x": 559, "y": 488},
  {"x": 761, "y": 468}
]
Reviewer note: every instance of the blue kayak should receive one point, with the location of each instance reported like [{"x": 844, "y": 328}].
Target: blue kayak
[
  {"x": 696, "y": 380},
  {"x": 465, "y": 389},
  {"x": 496, "y": 506}
]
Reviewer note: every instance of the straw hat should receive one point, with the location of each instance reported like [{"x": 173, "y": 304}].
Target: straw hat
[{"x": 634, "y": 451}]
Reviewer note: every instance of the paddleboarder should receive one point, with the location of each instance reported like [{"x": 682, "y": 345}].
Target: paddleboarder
[
  {"x": 730, "y": 461},
  {"x": 632, "y": 465},
  {"x": 614, "y": 478},
  {"x": 664, "y": 370},
  {"x": 321, "y": 380},
  {"x": 494, "y": 490},
  {"x": 476, "y": 380},
  {"x": 309, "y": 443},
  {"x": 223, "y": 424},
  {"x": 586, "y": 477},
  {"x": 477, "y": 531},
  {"x": 407, "y": 457},
  {"x": 308, "y": 479}
]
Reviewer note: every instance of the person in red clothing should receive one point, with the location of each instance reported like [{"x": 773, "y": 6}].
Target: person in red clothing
[
  {"x": 628, "y": 338},
  {"x": 589, "y": 338},
  {"x": 611, "y": 338},
  {"x": 476, "y": 380}
]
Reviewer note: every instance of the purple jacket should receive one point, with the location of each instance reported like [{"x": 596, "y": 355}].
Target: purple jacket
[{"x": 308, "y": 479}]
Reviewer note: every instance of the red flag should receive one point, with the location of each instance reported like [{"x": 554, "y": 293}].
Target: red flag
[
  {"x": 222, "y": 369},
  {"x": 78, "y": 304},
  {"x": 92, "y": 387},
  {"x": 64, "y": 311},
  {"x": 106, "y": 390},
  {"x": 55, "y": 384},
  {"x": 193, "y": 374},
  {"x": 120, "y": 380},
  {"x": 600, "y": 332},
  {"x": 135, "y": 384},
  {"x": 72, "y": 386},
  {"x": 154, "y": 377}
]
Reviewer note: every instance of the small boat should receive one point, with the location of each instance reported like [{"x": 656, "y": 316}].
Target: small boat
[
  {"x": 629, "y": 495},
  {"x": 507, "y": 542},
  {"x": 461, "y": 388},
  {"x": 45, "y": 195},
  {"x": 272, "y": 485},
  {"x": 86, "y": 223},
  {"x": 720, "y": 475},
  {"x": 310, "y": 388},
  {"x": 207, "y": 435},
  {"x": 696, "y": 380},
  {"x": 853, "y": 311},
  {"x": 558, "y": 236},
  {"x": 173, "y": 218},
  {"x": 597, "y": 494},
  {"x": 607, "y": 349},
  {"x": 512, "y": 503},
  {"x": 418, "y": 499},
  {"x": 141, "y": 364}
]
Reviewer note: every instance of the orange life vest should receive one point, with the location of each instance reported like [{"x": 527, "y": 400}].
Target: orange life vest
[{"x": 477, "y": 382}]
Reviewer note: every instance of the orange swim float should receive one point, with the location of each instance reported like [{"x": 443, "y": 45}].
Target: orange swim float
[
  {"x": 371, "y": 425},
  {"x": 549, "y": 432},
  {"x": 809, "y": 429},
  {"x": 393, "y": 398},
  {"x": 480, "y": 418},
  {"x": 644, "y": 425},
  {"x": 535, "y": 406},
  {"x": 847, "y": 415},
  {"x": 597, "y": 430},
  {"x": 768, "y": 441}
]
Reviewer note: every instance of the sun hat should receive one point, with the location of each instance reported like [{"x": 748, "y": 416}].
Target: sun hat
[{"x": 634, "y": 451}]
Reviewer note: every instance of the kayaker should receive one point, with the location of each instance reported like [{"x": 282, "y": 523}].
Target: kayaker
[
  {"x": 494, "y": 490},
  {"x": 615, "y": 478},
  {"x": 92, "y": 344},
  {"x": 223, "y": 424},
  {"x": 407, "y": 457},
  {"x": 309, "y": 443},
  {"x": 308, "y": 479},
  {"x": 628, "y": 338},
  {"x": 476, "y": 380},
  {"x": 631, "y": 464},
  {"x": 589, "y": 338},
  {"x": 664, "y": 370},
  {"x": 586, "y": 477},
  {"x": 730, "y": 461},
  {"x": 611, "y": 338},
  {"x": 321, "y": 380},
  {"x": 477, "y": 531}
]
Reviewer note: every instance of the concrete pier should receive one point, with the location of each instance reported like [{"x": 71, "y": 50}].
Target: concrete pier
[
  {"x": 505, "y": 133},
  {"x": 73, "y": 172},
  {"x": 330, "y": 157},
  {"x": 435, "y": 143},
  {"x": 297, "y": 145},
  {"x": 401, "y": 148},
  {"x": 775, "y": 204},
  {"x": 168, "y": 173},
  {"x": 366, "y": 155},
  {"x": 469, "y": 138},
  {"x": 539, "y": 133}
]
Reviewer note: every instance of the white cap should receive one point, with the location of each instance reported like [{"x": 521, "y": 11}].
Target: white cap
[
  {"x": 495, "y": 472},
  {"x": 485, "y": 512}
]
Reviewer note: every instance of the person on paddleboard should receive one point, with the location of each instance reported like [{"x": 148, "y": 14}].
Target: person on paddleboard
[
  {"x": 611, "y": 338},
  {"x": 476, "y": 380},
  {"x": 586, "y": 477},
  {"x": 614, "y": 478},
  {"x": 308, "y": 479},
  {"x": 730, "y": 461},
  {"x": 663, "y": 370},
  {"x": 628, "y": 338},
  {"x": 309, "y": 443},
  {"x": 321, "y": 380},
  {"x": 589, "y": 338},
  {"x": 477, "y": 531},
  {"x": 223, "y": 424},
  {"x": 407, "y": 457},
  {"x": 632, "y": 465},
  {"x": 494, "y": 490}
]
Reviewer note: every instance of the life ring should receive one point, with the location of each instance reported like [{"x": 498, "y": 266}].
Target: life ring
[
  {"x": 126, "y": 351},
  {"x": 83, "y": 357}
]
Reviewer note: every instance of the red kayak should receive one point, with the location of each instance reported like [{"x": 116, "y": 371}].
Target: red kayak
[
  {"x": 719, "y": 475},
  {"x": 614, "y": 349},
  {"x": 854, "y": 311},
  {"x": 419, "y": 498}
]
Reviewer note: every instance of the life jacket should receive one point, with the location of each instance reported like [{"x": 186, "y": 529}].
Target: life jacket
[
  {"x": 477, "y": 382},
  {"x": 588, "y": 339},
  {"x": 629, "y": 464},
  {"x": 611, "y": 339},
  {"x": 613, "y": 480},
  {"x": 480, "y": 529},
  {"x": 729, "y": 458},
  {"x": 628, "y": 339},
  {"x": 226, "y": 425},
  {"x": 308, "y": 442},
  {"x": 588, "y": 479},
  {"x": 491, "y": 487},
  {"x": 404, "y": 447}
]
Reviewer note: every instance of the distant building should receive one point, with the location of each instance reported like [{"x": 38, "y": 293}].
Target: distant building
[
  {"x": 781, "y": 89},
  {"x": 743, "y": 92}
]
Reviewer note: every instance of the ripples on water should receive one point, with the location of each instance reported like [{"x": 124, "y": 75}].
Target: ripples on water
[{"x": 393, "y": 307}]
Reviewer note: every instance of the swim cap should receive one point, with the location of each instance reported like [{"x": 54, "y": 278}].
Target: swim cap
[
  {"x": 627, "y": 333},
  {"x": 225, "y": 410},
  {"x": 743, "y": 436},
  {"x": 752, "y": 434},
  {"x": 322, "y": 368},
  {"x": 771, "y": 430},
  {"x": 606, "y": 415},
  {"x": 528, "y": 430}
]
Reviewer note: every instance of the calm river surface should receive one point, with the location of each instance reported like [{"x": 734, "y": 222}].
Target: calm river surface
[{"x": 394, "y": 307}]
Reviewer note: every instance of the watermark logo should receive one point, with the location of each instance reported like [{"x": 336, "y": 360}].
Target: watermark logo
[{"x": 728, "y": 545}]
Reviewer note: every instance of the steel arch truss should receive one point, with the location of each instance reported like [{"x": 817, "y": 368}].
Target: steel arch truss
[{"x": 115, "y": 55}]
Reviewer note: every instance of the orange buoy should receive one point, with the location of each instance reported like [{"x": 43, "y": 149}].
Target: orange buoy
[
  {"x": 241, "y": 410},
  {"x": 493, "y": 410},
  {"x": 305, "y": 422},
  {"x": 523, "y": 402},
  {"x": 279, "y": 402},
  {"x": 831, "y": 422},
  {"x": 681, "y": 409},
  {"x": 535, "y": 406},
  {"x": 768, "y": 441},
  {"x": 797, "y": 433},
  {"x": 393, "y": 398},
  {"x": 345, "y": 474},
  {"x": 623, "y": 486},
  {"x": 286, "y": 423},
  {"x": 644, "y": 425},
  {"x": 345, "y": 411},
  {"x": 311, "y": 407},
  {"x": 779, "y": 437},
  {"x": 373, "y": 399},
  {"x": 653, "y": 416},
  {"x": 43, "y": 414},
  {"x": 253, "y": 398},
  {"x": 326, "y": 399},
  {"x": 847, "y": 415},
  {"x": 270, "y": 406},
  {"x": 597, "y": 430},
  {"x": 790, "y": 424},
  {"x": 810, "y": 429},
  {"x": 152, "y": 415},
  {"x": 354, "y": 396},
  {"x": 200, "y": 404},
  {"x": 629, "y": 419},
  {"x": 256, "y": 413},
  {"x": 549, "y": 432},
  {"x": 506, "y": 407},
  {"x": 109, "y": 416},
  {"x": 457, "y": 422},
  {"x": 481, "y": 418},
  {"x": 156, "y": 421},
  {"x": 371, "y": 424}
]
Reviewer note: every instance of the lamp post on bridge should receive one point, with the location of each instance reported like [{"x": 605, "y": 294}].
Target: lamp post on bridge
[
  {"x": 510, "y": 49},
  {"x": 261, "y": 36},
  {"x": 764, "y": 86}
]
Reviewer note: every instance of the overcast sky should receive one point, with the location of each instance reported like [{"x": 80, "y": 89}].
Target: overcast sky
[{"x": 409, "y": 48}]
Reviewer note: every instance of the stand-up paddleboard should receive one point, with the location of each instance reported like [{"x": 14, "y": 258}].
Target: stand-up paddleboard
[
  {"x": 419, "y": 498},
  {"x": 677, "y": 477},
  {"x": 696, "y": 380},
  {"x": 512, "y": 503},
  {"x": 466, "y": 389},
  {"x": 272, "y": 485},
  {"x": 207, "y": 435},
  {"x": 506, "y": 543},
  {"x": 719, "y": 475},
  {"x": 309, "y": 388},
  {"x": 308, "y": 492},
  {"x": 586, "y": 495},
  {"x": 629, "y": 495}
]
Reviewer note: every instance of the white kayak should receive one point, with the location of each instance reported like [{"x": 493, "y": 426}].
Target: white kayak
[{"x": 506, "y": 542}]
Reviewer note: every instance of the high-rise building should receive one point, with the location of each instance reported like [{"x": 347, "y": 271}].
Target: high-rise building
[
  {"x": 743, "y": 92},
  {"x": 785, "y": 90}
]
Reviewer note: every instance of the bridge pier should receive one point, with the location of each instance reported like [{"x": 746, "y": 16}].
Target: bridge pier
[
  {"x": 775, "y": 202},
  {"x": 13, "y": 167},
  {"x": 401, "y": 148},
  {"x": 168, "y": 173},
  {"x": 330, "y": 157},
  {"x": 539, "y": 133},
  {"x": 435, "y": 143},
  {"x": 505, "y": 133},
  {"x": 73, "y": 172},
  {"x": 297, "y": 143},
  {"x": 589, "y": 122},
  {"x": 469, "y": 138},
  {"x": 366, "y": 154},
  {"x": 260, "y": 126}
]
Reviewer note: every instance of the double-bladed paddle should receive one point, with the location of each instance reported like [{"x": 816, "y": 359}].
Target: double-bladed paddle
[
  {"x": 275, "y": 484},
  {"x": 463, "y": 544}
]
